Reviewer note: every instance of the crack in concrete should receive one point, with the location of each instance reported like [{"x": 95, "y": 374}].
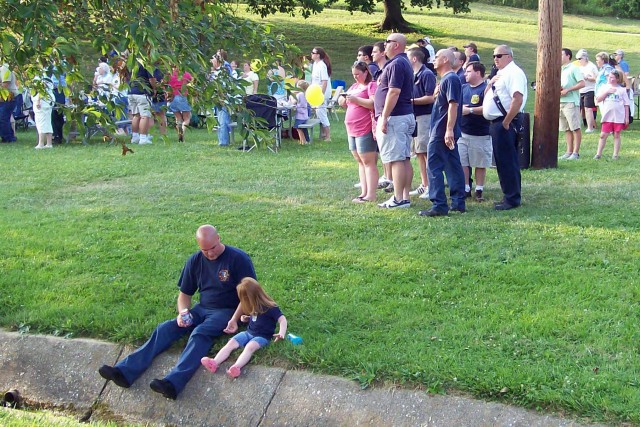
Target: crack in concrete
[
  {"x": 275, "y": 391},
  {"x": 87, "y": 415}
]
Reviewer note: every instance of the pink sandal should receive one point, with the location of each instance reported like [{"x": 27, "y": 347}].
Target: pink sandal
[
  {"x": 233, "y": 372},
  {"x": 210, "y": 364}
]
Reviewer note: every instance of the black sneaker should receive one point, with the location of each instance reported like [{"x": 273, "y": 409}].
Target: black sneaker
[
  {"x": 433, "y": 212},
  {"x": 478, "y": 196},
  {"x": 111, "y": 373},
  {"x": 165, "y": 388},
  {"x": 461, "y": 210}
]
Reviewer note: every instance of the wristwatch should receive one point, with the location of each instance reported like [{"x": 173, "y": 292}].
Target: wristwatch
[{"x": 470, "y": 110}]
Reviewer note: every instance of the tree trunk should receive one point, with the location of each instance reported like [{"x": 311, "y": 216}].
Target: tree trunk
[
  {"x": 544, "y": 153},
  {"x": 393, "y": 20}
]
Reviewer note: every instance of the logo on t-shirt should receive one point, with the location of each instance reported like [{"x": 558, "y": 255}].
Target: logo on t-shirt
[
  {"x": 223, "y": 275},
  {"x": 475, "y": 99}
]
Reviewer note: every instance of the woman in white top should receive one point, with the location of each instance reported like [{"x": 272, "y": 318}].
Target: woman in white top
[
  {"x": 251, "y": 77},
  {"x": 321, "y": 75}
]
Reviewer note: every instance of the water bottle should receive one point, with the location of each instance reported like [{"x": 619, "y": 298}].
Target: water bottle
[
  {"x": 186, "y": 317},
  {"x": 295, "y": 340}
]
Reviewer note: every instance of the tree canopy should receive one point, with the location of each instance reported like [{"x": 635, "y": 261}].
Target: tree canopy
[
  {"x": 392, "y": 21},
  {"x": 38, "y": 36}
]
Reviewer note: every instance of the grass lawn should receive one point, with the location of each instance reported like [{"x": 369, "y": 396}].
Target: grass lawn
[{"x": 536, "y": 306}]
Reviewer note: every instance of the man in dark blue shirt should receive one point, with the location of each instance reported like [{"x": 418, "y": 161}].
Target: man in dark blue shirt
[
  {"x": 445, "y": 130},
  {"x": 395, "y": 119},
  {"x": 214, "y": 271}
]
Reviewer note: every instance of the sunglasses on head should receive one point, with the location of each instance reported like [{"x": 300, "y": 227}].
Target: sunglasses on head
[{"x": 359, "y": 63}]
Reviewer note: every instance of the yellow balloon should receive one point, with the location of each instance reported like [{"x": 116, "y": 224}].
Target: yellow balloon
[
  {"x": 314, "y": 95},
  {"x": 256, "y": 65}
]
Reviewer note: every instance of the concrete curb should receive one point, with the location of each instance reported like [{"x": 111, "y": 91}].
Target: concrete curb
[{"x": 64, "y": 373}]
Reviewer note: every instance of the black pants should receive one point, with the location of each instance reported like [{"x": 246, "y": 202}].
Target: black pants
[
  {"x": 57, "y": 117},
  {"x": 505, "y": 151}
]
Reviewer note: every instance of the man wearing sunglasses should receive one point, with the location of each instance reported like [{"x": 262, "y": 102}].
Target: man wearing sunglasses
[
  {"x": 395, "y": 119},
  {"x": 503, "y": 104}
]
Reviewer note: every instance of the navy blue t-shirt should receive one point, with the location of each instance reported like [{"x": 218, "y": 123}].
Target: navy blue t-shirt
[
  {"x": 396, "y": 73},
  {"x": 264, "y": 325},
  {"x": 216, "y": 280},
  {"x": 424, "y": 84},
  {"x": 450, "y": 91},
  {"x": 474, "y": 124},
  {"x": 140, "y": 83},
  {"x": 160, "y": 95},
  {"x": 373, "y": 69},
  {"x": 460, "y": 73}
]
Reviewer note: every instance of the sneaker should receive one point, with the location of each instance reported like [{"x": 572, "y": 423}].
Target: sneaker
[
  {"x": 467, "y": 194},
  {"x": 574, "y": 156},
  {"x": 234, "y": 372},
  {"x": 596, "y": 157},
  {"x": 135, "y": 139},
  {"x": 383, "y": 182},
  {"x": 144, "y": 140},
  {"x": 589, "y": 131},
  {"x": 358, "y": 185},
  {"x": 418, "y": 191},
  {"x": 165, "y": 388},
  {"x": 393, "y": 203},
  {"x": 478, "y": 196},
  {"x": 565, "y": 156},
  {"x": 425, "y": 195},
  {"x": 210, "y": 364},
  {"x": 614, "y": 157},
  {"x": 389, "y": 188},
  {"x": 433, "y": 212},
  {"x": 111, "y": 373}
]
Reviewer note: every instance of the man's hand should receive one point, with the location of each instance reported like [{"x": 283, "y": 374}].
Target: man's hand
[
  {"x": 506, "y": 124},
  {"x": 449, "y": 140},
  {"x": 563, "y": 92},
  {"x": 382, "y": 125},
  {"x": 181, "y": 323},
  {"x": 232, "y": 327}
]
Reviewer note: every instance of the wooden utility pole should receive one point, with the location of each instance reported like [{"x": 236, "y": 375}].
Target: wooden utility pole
[{"x": 544, "y": 150}]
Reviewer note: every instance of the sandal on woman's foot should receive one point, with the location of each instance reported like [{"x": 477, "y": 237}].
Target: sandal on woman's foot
[
  {"x": 361, "y": 199},
  {"x": 210, "y": 364},
  {"x": 233, "y": 372}
]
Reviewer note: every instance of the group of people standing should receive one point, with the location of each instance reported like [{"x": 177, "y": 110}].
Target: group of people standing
[
  {"x": 397, "y": 108},
  {"x": 587, "y": 87}
]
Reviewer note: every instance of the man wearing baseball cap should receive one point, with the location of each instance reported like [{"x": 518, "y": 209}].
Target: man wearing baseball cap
[
  {"x": 621, "y": 62},
  {"x": 471, "y": 50},
  {"x": 587, "y": 93}
]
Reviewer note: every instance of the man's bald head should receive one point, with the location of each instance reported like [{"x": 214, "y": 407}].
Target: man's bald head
[{"x": 206, "y": 232}]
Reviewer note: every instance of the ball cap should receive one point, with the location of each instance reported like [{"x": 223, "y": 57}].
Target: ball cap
[
  {"x": 427, "y": 39},
  {"x": 620, "y": 52},
  {"x": 582, "y": 53},
  {"x": 471, "y": 45}
]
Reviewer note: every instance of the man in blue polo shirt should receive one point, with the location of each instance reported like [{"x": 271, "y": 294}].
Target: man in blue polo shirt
[
  {"x": 214, "y": 271},
  {"x": 395, "y": 119},
  {"x": 442, "y": 154}
]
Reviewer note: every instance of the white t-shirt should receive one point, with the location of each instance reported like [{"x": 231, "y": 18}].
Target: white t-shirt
[
  {"x": 612, "y": 108},
  {"x": 512, "y": 79},
  {"x": 250, "y": 77},
  {"x": 320, "y": 74},
  {"x": 591, "y": 71}
]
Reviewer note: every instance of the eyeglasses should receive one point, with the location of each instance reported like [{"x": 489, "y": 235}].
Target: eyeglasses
[
  {"x": 500, "y": 55},
  {"x": 390, "y": 41}
]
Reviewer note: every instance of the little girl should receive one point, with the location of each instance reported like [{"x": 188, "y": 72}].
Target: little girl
[
  {"x": 302, "y": 111},
  {"x": 614, "y": 108},
  {"x": 42, "y": 110},
  {"x": 263, "y": 316}
]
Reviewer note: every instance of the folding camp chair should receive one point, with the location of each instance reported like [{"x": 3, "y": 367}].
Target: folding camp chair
[
  {"x": 21, "y": 113},
  {"x": 333, "y": 105},
  {"x": 264, "y": 107}
]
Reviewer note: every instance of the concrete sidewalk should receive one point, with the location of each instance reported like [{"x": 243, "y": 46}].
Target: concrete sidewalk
[{"x": 64, "y": 373}]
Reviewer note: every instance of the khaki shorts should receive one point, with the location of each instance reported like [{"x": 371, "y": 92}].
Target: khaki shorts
[
  {"x": 420, "y": 142},
  {"x": 475, "y": 151},
  {"x": 395, "y": 145},
  {"x": 569, "y": 116},
  {"x": 139, "y": 104}
]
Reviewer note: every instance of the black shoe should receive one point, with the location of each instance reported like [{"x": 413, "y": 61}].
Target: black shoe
[
  {"x": 478, "y": 196},
  {"x": 504, "y": 206},
  {"x": 180, "y": 137},
  {"x": 57, "y": 141},
  {"x": 165, "y": 388},
  {"x": 433, "y": 212},
  {"x": 467, "y": 194},
  {"x": 113, "y": 374},
  {"x": 461, "y": 210}
]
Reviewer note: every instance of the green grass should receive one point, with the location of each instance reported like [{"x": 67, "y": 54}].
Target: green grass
[
  {"x": 20, "y": 418},
  {"x": 537, "y": 306}
]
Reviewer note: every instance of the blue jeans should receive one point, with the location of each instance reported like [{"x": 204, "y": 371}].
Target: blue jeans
[
  {"x": 442, "y": 160},
  {"x": 6, "y": 110},
  {"x": 505, "y": 151},
  {"x": 207, "y": 325},
  {"x": 223, "y": 126}
]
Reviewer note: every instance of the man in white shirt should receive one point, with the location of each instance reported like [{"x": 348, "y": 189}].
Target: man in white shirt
[
  {"x": 509, "y": 86},
  {"x": 587, "y": 93}
]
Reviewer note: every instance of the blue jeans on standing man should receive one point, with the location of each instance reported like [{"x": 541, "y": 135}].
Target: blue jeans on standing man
[
  {"x": 6, "y": 110},
  {"x": 207, "y": 325},
  {"x": 224, "y": 120},
  {"x": 442, "y": 160}
]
